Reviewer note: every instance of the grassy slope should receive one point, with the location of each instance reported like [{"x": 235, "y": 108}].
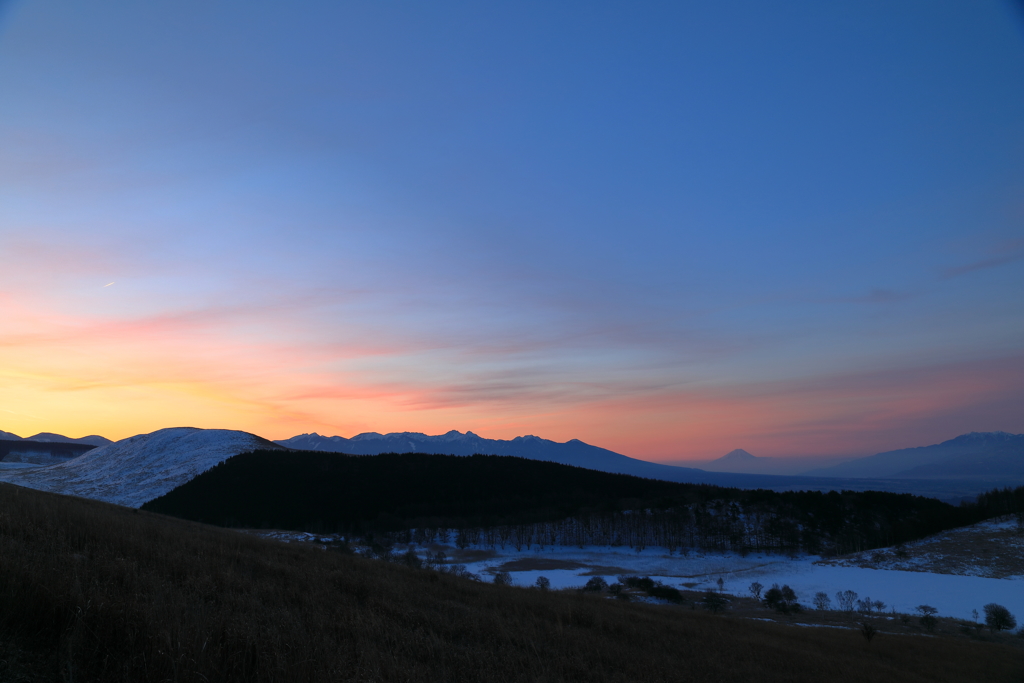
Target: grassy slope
[{"x": 110, "y": 594}]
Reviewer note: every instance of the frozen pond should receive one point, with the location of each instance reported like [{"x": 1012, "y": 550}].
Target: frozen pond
[{"x": 952, "y": 595}]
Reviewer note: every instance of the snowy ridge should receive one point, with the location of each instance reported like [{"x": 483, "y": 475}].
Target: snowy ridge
[
  {"x": 138, "y": 469},
  {"x": 1006, "y": 450},
  {"x": 49, "y": 437},
  {"x": 572, "y": 452}
]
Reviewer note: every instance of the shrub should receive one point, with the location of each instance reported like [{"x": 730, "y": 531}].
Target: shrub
[
  {"x": 596, "y": 584},
  {"x": 502, "y": 578},
  {"x": 436, "y": 560},
  {"x": 868, "y": 631},
  {"x": 655, "y": 589},
  {"x": 713, "y": 602},
  {"x": 642, "y": 583},
  {"x": 460, "y": 571},
  {"x": 660, "y": 590},
  {"x": 411, "y": 559},
  {"x": 927, "y": 618},
  {"x": 782, "y": 600},
  {"x": 998, "y": 618}
]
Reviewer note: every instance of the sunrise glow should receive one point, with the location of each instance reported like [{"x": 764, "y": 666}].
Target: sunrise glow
[{"x": 344, "y": 220}]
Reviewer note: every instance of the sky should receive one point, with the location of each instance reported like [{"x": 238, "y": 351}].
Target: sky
[{"x": 670, "y": 229}]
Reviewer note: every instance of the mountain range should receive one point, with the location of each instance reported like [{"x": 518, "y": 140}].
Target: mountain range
[
  {"x": 978, "y": 454},
  {"x": 572, "y": 452},
  {"x": 138, "y": 469},
  {"x": 48, "y": 437}
]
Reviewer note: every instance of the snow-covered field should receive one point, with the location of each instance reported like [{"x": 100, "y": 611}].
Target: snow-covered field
[
  {"x": 952, "y": 595},
  {"x": 136, "y": 470},
  {"x": 994, "y": 549}
]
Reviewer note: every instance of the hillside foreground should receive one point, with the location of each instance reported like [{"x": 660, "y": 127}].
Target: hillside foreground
[{"x": 97, "y": 592}]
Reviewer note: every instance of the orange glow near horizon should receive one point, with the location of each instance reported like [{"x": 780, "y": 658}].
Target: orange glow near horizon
[
  {"x": 340, "y": 218},
  {"x": 78, "y": 376}
]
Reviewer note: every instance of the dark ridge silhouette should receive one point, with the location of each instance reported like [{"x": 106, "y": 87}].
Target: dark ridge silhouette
[{"x": 327, "y": 492}]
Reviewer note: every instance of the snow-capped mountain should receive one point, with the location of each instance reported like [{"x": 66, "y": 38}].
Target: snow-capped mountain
[
  {"x": 572, "y": 452},
  {"x": 140, "y": 468},
  {"x": 48, "y": 437},
  {"x": 974, "y": 454},
  {"x": 451, "y": 443},
  {"x": 93, "y": 440},
  {"x": 741, "y": 462}
]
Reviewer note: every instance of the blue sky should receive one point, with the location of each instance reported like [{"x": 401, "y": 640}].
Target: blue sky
[{"x": 671, "y": 229}]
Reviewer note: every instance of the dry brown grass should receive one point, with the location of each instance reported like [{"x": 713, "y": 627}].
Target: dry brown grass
[
  {"x": 994, "y": 549},
  {"x": 94, "y": 592}
]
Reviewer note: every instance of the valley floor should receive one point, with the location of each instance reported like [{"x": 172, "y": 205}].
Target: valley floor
[{"x": 925, "y": 577}]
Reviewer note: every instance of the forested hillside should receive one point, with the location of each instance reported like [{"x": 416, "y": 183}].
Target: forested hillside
[{"x": 509, "y": 500}]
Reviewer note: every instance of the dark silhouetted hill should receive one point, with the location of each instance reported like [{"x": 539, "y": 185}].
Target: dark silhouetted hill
[{"x": 328, "y": 492}]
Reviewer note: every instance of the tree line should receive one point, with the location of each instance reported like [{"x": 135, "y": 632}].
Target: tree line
[{"x": 512, "y": 501}]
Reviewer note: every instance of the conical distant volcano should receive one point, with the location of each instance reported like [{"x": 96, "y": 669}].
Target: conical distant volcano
[{"x": 736, "y": 457}]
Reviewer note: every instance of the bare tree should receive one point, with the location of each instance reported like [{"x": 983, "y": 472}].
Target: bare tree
[
  {"x": 822, "y": 601},
  {"x": 755, "y": 590},
  {"x": 846, "y": 600},
  {"x": 927, "y": 618},
  {"x": 543, "y": 583}
]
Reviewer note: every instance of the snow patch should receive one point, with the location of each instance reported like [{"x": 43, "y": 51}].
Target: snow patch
[{"x": 138, "y": 469}]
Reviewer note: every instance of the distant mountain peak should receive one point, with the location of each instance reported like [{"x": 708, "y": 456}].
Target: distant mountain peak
[
  {"x": 573, "y": 452},
  {"x": 737, "y": 455},
  {"x": 49, "y": 437},
  {"x": 987, "y": 437}
]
